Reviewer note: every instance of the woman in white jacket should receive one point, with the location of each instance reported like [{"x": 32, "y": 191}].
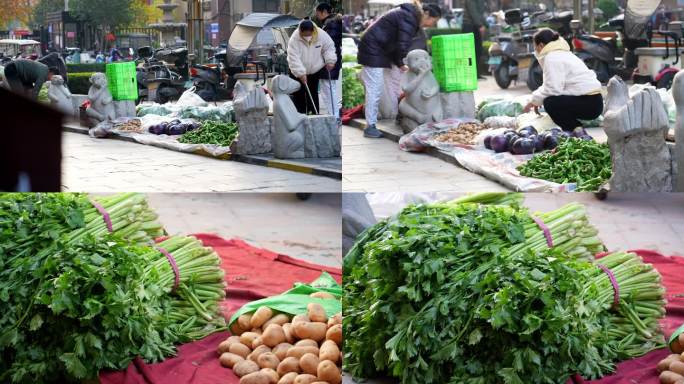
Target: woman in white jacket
[
  {"x": 308, "y": 51},
  {"x": 570, "y": 91}
]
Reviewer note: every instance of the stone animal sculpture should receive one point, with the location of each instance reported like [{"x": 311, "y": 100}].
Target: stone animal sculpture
[
  {"x": 678, "y": 95},
  {"x": 60, "y": 97},
  {"x": 101, "y": 101},
  {"x": 636, "y": 128},
  {"x": 251, "y": 112},
  {"x": 288, "y": 124},
  {"x": 421, "y": 103}
]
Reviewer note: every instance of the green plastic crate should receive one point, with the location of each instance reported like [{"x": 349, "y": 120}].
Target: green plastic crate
[
  {"x": 122, "y": 81},
  {"x": 453, "y": 62}
]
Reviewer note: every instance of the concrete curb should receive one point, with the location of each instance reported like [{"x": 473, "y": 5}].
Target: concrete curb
[{"x": 261, "y": 160}]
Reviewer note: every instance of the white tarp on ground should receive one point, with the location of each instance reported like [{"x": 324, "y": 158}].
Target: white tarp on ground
[{"x": 499, "y": 167}]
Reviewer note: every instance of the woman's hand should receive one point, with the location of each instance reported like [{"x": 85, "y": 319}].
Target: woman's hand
[{"x": 531, "y": 106}]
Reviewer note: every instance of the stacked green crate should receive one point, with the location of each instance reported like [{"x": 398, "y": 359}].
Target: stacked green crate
[
  {"x": 454, "y": 63},
  {"x": 122, "y": 81}
]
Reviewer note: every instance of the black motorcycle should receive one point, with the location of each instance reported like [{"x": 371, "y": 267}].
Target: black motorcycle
[{"x": 163, "y": 75}]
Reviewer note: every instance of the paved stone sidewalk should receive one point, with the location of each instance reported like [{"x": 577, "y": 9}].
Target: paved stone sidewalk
[
  {"x": 101, "y": 165},
  {"x": 309, "y": 230},
  {"x": 378, "y": 165}
]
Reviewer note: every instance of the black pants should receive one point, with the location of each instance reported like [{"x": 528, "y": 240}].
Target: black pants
[
  {"x": 301, "y": 98},
  {"x": 567, "y": 110},
  {"x": 478, "y": 44}
]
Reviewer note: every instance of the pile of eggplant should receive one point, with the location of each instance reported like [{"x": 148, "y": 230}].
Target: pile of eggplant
[
  {"x": 527, "y": 140},
  {"x": 175, "y": 127}
]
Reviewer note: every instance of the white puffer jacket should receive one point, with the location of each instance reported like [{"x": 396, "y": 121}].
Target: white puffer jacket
[
  {"x": 564, "y": 74},
  {"x": 309, "y": 57}
]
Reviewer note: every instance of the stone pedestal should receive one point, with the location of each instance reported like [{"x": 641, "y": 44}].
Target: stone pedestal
[
  {"x": 636, "y": 128},
  {"x": 454, "y": 105},
  {"x": 321, "y": 137},
  {"x": 125, "y": 108},
  {"x": 251, "y": 113}
]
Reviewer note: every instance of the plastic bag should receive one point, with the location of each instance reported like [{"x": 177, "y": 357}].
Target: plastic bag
[
  {"x": 597, "y": 122},
  {"x": 495, "y": 122},
  {"x": 417, "y": 140},
  {"x": 665, "y": 97},
  {"x": 155, "y": 109},
  {"x": 190, "y": 99},
  {"x": 498, "y": 107},
  {"x": 541, "y": 122},
  {"x": 223, "y": 112},
  {"x": 294, "y": 301}
]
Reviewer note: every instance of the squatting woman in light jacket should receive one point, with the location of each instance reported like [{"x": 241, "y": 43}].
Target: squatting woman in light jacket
[
  {"x": 570, "y": 90},
  {"x": 309, "y": 50}
]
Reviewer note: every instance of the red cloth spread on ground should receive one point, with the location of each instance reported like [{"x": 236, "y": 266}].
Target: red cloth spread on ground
[
  {"x": 352, "y": 113},
  {"x": 642, "y": 370},
  {"x": 251, "y": 274}
]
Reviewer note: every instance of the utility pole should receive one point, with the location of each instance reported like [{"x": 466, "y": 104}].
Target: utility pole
[
  {"x": 195, "y": 31},
  {"x": 578, "y": 10}
]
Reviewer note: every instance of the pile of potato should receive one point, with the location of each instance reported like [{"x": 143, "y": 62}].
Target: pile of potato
[
  {"x": 671, "y": 368},
  {"x": 465, "y": 133},
  {"x": 268, "y": 348}
]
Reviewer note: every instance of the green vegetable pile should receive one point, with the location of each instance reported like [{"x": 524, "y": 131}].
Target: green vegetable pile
[
  {"x": 353, "y": 93},
  {"x": 466, "y": 292},
  {"x": 585, "y": 163},
  {"x": 212, "y": 132},
  {"x": 76, "y": 298}
]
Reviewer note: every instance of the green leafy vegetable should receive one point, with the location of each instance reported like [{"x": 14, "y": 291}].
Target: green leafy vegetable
[
  {"x": 353, "y": 93},
  {"x": 75, "y": 298},
  {"x": 463, "y": 292}
]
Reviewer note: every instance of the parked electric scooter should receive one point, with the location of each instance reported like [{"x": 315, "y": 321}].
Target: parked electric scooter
[
  {"x": 207, "y": 80},
  {"x": 511, "y": 56}
]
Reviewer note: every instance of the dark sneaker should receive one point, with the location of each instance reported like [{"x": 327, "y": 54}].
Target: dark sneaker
[{"x": 372, "y": 132}]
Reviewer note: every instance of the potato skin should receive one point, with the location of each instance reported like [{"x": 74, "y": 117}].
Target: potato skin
[
  {"x": 677, "y": 367},
  {"x": 306, "y": 343},
  {"x": 272, "y": 375},
  {"x": 328, "y": 371},
  {"x": 314, "y": 331},
  {"x": 240, "y": 349},
  {"x": 257, "y": 352},
  {"x": 289, "y": 364},
  {"x": 334, "y": 333},
  {"x": 244, "y": 321},
  {"x": 329, "y": 351},
  {"x": 298, "y": 318},
  {"x": 664, "y": 364},
  {"x": 255, "y": 378},
  {"x": 236, "y": 330},
  {"x": 289, "y": 332},
  {"x": 305, "y": 379},
  {"x": 247, "y": 338},
  {"x": 279, "y": 319},
  {"x": 260, "y": 316},
  {"x": 336, "y": 319},
  {"x": 229, "y": 360},
  {"x": 667, "y": 377},
  {"x": 268, "y": 360},
  {"x": 281, "y": 349},
  {"x": 225, "y": 344},
  {"x": 316, "y": 313},
  {"x": 298, "y": 352},
  {"x": 273, "y": 335},
  {"x": 288, "y": 378},
  {"x": 320, "y": 382},
  {"x": 245, "y": 367},
  {"x": 309, "y": 363}
]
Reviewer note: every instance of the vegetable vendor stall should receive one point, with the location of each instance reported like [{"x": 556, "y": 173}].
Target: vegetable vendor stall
[{"x": 432, "y": 288}]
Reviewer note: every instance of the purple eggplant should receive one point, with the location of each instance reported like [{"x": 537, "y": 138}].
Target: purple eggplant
[
  {"x": 499, "y": 143},
  {"x": 527, "y": 131},
  {"x": 177, "y": 129},
  {"x": 551, "y": 142},
  {"x": 586, "y": 138},
  {"x": 488, "y": 142},
  {"x": 555, "y": 131},
  {"x": 538, "y": 143},
  {"x": 523, "y": 146},
  {"x": 158, "y": 129}
]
